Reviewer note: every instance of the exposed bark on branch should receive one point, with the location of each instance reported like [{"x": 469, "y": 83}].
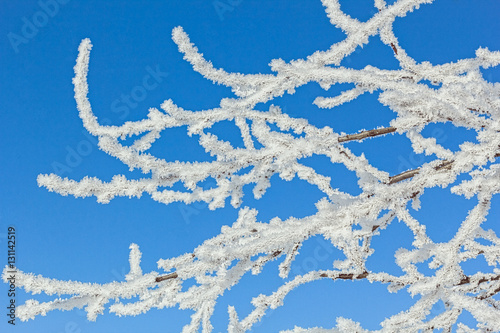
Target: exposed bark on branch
[
  {"x": 349, "y": 276},
  {"x": 381, "y": 131},
  {"x": 402, "y": 176},
  {"x": 488, "y": 294},
  {"x": 394, "y": 48},
  {"x": 410, "y": 173},
  {"x": 366, "y": 134},
  {"x": 174, "y": 274},
  {"x": 167, "y": 277},
  {"x": 467, "y": 280}
]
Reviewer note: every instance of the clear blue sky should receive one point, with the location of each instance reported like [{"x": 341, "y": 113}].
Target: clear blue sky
[{"x": 79, "y": 239}]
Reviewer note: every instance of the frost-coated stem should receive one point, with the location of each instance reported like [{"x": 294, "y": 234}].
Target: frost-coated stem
[{"x": 460, "y": 96}]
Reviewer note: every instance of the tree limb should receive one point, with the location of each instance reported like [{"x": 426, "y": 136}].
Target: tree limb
[
  {"x": 167, "y": 277},
  {"x": 366, "y": 134}
]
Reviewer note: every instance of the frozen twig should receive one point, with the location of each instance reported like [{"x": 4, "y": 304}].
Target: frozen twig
[{"x": 349, "y": 222}]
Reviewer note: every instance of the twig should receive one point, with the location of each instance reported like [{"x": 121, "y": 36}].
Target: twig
[
  {"x": 410, "y": 173},
  {"x": 394, "y": 48},
  {"x": 402, "y": 176},
  {"x": 366, "y": 134},
  {"x": 467, "y": 280},
  {"x": 167, "y": 277},
  {"x": 348, "y": 276}
]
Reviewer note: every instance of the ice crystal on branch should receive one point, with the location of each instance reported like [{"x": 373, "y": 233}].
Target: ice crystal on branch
[{"x": 461, "y": 97}]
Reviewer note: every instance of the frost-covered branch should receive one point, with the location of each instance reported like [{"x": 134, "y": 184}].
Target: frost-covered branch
[{"x": 459, "y": 96}]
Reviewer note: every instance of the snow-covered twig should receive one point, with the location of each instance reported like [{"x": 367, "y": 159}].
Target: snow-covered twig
[{"x": 461, "y": 97}]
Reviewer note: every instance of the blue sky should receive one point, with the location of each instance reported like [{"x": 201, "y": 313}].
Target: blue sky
[{"x": 79, "y": 239}]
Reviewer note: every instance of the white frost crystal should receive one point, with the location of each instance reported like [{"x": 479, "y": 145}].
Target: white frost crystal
[{"x": 461, "y": 97}]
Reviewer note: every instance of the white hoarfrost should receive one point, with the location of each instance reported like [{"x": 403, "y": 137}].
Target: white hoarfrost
[{"x": 460, "y": 96}]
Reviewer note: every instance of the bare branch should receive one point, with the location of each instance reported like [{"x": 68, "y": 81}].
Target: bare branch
[
  {"x": 410, "y": 173},
  {"x": 167, "y": 277},
  {"x": 367, "y": 134}
]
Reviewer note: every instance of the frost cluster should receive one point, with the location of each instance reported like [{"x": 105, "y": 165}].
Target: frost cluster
[{"x": 460, "y": 96}]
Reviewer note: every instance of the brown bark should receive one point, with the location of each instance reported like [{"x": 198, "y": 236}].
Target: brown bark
[
  {"x": 167, "y": 277},
  {"x": 366, "y": 134}
]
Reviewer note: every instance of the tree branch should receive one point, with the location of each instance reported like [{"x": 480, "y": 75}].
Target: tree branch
[
  {"x": 410, "y": 173},
  {"x": 347, "y": 276},
  {"x": 402, "y": 176},
  {"x": 467, "y": 280},
  {"x": 366, "y": 134},
  {"x": 167, "y": 277}
]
